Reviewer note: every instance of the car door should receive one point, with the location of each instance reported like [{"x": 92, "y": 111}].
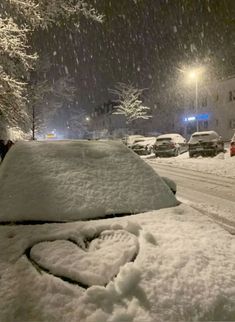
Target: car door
[{"x": 182, "y": 144}]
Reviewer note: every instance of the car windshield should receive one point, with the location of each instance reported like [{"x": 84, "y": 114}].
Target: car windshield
[{"x": 60, "y": 171}]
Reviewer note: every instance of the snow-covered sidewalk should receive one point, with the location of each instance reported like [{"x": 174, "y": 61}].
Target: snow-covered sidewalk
[{"x": 221, "y": 165}]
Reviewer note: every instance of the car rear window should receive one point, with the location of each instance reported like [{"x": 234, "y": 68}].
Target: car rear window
[
  {"x": 199, "y": 135},
  {"x": 164, "y": 139}
]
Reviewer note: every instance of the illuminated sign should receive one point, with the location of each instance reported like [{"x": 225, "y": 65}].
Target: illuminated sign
[
  {"x": 203, "y": 117},
  {"x": 199, "y": 117},
  {"x": 190, "y": 119}
]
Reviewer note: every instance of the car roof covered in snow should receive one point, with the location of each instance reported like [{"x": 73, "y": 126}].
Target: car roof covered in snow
[
  {"x": 211, "y": 133},
  {"x": 72, "y": 180},
  {"x": 169, "y": 135}
]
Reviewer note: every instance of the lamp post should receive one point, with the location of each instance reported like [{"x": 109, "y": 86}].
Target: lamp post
[{"x": 194, "y": 75}]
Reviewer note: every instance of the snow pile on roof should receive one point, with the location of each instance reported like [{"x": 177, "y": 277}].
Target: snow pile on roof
[
  {"x": 168, "y": 135},
  {"x": 205, "y": 133},
  {"x": 72, "y": 180},
  {"x": 184, "y": 270}
]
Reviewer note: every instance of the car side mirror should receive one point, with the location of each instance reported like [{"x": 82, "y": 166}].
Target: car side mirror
[{"x": 170, "y": 183}]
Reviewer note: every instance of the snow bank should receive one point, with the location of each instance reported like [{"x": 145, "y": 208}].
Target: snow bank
[
  {"x": 222, "y": 164},
  {"x": 71, "y": 180}
]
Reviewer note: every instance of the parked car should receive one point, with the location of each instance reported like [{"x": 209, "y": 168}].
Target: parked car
[
  {"x": 205, "y": 143},
  {"x": 232, "y": 146},
  {"x": 130, "y": 139},
  {"x": 143, "y": 145},
  {"x": 90, "y": 232},
  {"x": 171, "y": 144}
]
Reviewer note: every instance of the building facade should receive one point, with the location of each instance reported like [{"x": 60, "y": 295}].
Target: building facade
[{"x": 215, "y": 109}]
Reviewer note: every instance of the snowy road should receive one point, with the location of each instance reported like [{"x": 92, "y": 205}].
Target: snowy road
[{"x": 212, "y": 194}]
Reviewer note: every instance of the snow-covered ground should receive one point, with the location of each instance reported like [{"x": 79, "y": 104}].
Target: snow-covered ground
[
  {"x": 207, "y": 184},
  {"x": 170, "y": 264},
  {"x": 222, "y": 164}
]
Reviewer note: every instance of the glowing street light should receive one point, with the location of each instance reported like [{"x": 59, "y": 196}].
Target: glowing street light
[
  {"x": 194, "y": 75},
  {"x": 87, "y": 118}
]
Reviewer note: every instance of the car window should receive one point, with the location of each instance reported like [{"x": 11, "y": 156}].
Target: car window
[
  {"x": 200, "y": 135},
  {"x": 164, "y": 139}
]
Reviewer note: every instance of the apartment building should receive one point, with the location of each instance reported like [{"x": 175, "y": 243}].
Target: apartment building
[
  {"x": 215, "y": 109},
  {"x": 104, "y": 123}
]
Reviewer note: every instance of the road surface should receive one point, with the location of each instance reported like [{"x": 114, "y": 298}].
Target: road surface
[{"x": 213, "y": 195}]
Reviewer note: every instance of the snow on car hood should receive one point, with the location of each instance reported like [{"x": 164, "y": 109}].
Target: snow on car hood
[
  {"x": 72, "y": 180},
  {"x": 173, "y": 264}
]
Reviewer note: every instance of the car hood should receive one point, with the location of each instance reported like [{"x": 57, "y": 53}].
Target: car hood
[{"x": 171, "y": 264}]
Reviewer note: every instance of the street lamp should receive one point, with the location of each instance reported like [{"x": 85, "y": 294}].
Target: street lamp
[{"x": 194, "y": 76}]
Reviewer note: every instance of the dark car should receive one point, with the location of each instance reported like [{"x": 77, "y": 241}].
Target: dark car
[
  {"x": 232, "y": 146},
  {"x": 207, "y": 143},
  {"x": 168, "y": 145}
]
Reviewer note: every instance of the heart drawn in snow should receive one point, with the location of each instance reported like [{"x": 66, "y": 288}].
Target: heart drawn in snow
[{"x": 96, "y": 264}]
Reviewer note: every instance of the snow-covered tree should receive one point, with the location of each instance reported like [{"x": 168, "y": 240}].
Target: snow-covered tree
[
  {"x": 78, "y": 122},
  {"x": 45, "y": 13},
  {"x": 15, "y": 57},
  {"x": 15, "y": 63},
  {"x": 129, "y": 103},
  {"x": 46, "y": 99}
]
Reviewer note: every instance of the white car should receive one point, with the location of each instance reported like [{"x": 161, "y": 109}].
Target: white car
[
  {"x": 171, "y": 144},
  {"x": 143, "y": 145},
  {"x": 129, "y": 140},
  {"x": 89, "y": 232}
]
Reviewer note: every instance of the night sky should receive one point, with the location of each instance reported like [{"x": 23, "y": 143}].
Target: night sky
[{"x": 142, "y": 42}]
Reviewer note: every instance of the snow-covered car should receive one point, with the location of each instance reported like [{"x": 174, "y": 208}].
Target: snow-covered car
[
  {"x": 171, "y": 144},
  {"x": 130, "y": 139},
  {"x": 89, "y": 232},
  {"x": 143, "y": 146},
  {"x": 205, "y": 143},
  {"x": 232, "y": 146}
]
